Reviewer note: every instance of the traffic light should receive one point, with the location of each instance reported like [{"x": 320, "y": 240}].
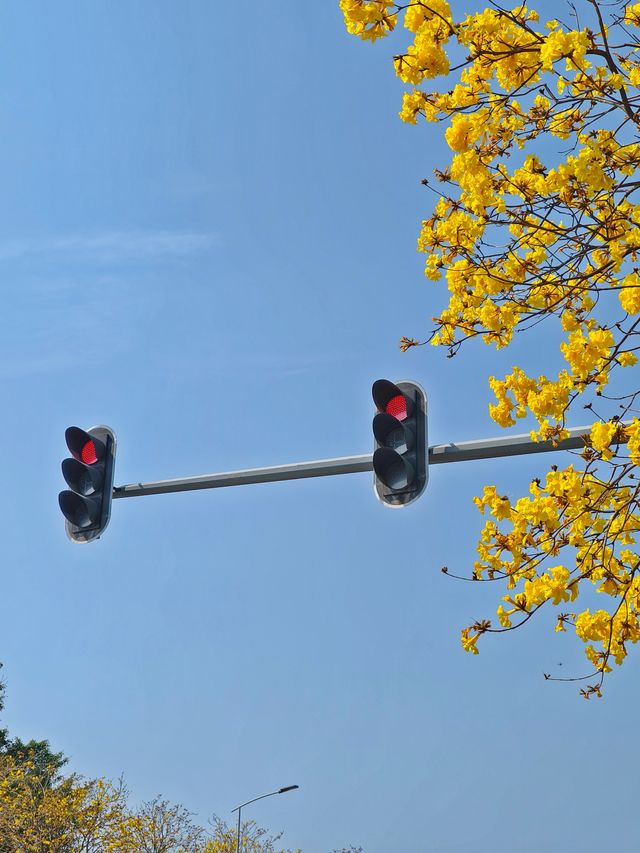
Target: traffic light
[
  {"x": 86, "y": 505},
  {"x": 401, "y": 455}
]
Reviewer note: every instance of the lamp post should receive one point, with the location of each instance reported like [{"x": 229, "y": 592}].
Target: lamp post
[{"x": 255, "y": 799}]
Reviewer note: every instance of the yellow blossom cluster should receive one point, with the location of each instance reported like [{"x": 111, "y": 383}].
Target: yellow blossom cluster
[
  {"x": 632, "y": 14},
  {"x": 595, "y": 518},
  {"x": 368, "y": 19},
  {"x": 518, "y": 394},
  {"x": 425, "y": 58},
  {"x": 523, "y": 234}
]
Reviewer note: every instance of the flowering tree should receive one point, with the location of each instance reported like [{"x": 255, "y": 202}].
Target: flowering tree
[
  {"x": 536, "y": 221},
  {"x": 44, "y": 811},
  {"x": 72, "y": 815},
  {"x": 56, "y": 814}
]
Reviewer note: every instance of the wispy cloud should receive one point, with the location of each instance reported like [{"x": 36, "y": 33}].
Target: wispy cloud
[
  {"x": 62, "y": 291},
  {"x": 111, "y": 247}
]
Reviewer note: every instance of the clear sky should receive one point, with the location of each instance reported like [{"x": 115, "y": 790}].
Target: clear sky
[{"x": 207, "y": 241}]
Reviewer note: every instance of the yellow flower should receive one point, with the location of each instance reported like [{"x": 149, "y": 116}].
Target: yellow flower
[
  {"x": 602, "y": 435},
  {"x": 368, "y": 19},
  {"x": 632, "y": 14},
  {"x": 626, "y": 359},
  {"x": 558, "y": 44},
  {"x": 629, "y": 294},
  {"x": 633, "y": 441},
  {"x": 503, "y": 616},
  {"x": 418, "y": 13},
  {"x": 469, "y": 642}
]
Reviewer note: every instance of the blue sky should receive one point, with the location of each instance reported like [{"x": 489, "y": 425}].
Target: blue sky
[{"x": 207, "y": 241}]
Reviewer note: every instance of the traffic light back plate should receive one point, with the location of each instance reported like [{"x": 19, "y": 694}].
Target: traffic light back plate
[
  {"x": 81, "y": 535},
  {"x": 418, "y": 455}
]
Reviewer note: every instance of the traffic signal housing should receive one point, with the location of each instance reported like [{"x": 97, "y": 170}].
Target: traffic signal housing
[
  {"x": 401, "y": 450},
  {"x": 86, "y": 504}
]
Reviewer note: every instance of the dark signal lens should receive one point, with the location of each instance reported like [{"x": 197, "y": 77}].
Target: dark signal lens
[
  {"x": 397, "y": 407},
  {"x": 88, "y": 453},
  {"x": 397, "y": 440}
]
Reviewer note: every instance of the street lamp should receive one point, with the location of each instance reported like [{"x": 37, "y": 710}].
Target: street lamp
[{"x": 240, "y": 807}]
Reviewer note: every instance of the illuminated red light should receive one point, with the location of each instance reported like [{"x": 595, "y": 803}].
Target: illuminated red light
[
  {"x": 88, "y": 453},
  {"x": 397, "y": 407}
]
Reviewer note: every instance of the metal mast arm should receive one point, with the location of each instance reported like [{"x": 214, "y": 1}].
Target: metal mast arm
[{"x": 463, "y": 451}]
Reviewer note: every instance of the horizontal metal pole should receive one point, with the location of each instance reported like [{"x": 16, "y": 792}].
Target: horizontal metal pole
[
  {"x": 294, "y": 471},
  {"x": 508, "y": 445},
  {"x": 463, "y": 451}
]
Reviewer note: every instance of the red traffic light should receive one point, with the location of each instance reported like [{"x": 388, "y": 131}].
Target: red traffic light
[
  {"x": 400, "y": 456},
  {"x": 84, "y": 447},
  {"x": 397, "y": 407},
  {"x": 88, "y": 453},
  {"x": 391, "y": 400},
  {"x": 86, "y": 504}
]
